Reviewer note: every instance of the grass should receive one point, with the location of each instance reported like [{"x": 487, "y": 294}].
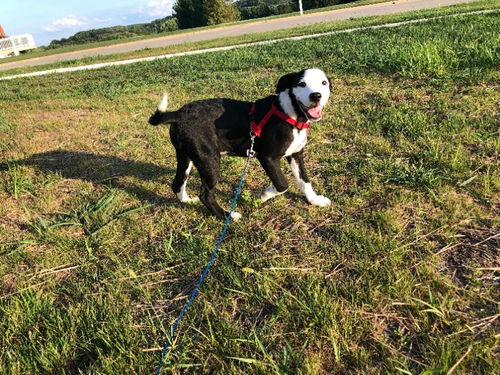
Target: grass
[
  {"x": 398, "y": 276},
  {"x": 298, "y": 31},
  {"x": 43, "y": 51}
]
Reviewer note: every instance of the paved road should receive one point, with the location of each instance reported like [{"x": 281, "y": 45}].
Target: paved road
[{"x": 247, "y": 28}]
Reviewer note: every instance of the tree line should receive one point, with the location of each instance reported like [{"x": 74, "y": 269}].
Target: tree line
[
  {"x": 118, "y": 32},
  {"x": 196, "y": 13}
]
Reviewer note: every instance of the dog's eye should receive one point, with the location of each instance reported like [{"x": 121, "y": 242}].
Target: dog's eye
[
  {"x": 302, "y": 84},
  {"x": 324, "y": 83}
]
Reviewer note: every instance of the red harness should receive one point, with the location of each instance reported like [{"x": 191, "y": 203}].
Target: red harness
[{"x": 257, "y": 127}]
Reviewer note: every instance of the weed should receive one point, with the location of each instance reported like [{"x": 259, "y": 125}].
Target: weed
[
  {"x": 404, "y": 172},
  {"x": 17, "y": 181}
]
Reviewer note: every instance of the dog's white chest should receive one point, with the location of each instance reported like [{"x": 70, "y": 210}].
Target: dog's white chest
[{"x": 298, "y": 142}]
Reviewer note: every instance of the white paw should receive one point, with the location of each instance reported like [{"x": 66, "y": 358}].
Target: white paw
[
  {"x": 320, "y": 201},
  {"x": 184, "y": 198},
  {"x": 269, "y": 193},
  {"x": 236, "y": 216}
]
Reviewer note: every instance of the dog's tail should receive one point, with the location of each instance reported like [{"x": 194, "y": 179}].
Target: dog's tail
[{"x": 162, "y": 116}]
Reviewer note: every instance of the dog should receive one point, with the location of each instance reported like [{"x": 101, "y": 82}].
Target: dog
[{"x": 204, "y": 130}]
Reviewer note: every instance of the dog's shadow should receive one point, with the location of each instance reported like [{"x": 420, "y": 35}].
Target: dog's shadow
[{"x": 100, "y": 170}]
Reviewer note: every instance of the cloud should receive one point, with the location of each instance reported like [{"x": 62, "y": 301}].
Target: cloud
[
  {"x": 68, "y": 22},
  {"x": 102, "y": 20},
  {"x": 159, "y": 8}
]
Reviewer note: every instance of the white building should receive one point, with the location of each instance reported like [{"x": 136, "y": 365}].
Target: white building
[{"x": 13, "y": 45}]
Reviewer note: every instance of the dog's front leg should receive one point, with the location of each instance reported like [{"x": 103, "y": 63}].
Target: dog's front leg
[
  {"x": 273, "y": 170},
  {"x": 297, "y": 166}
]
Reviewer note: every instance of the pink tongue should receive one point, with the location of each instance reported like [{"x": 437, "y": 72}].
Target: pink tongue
[{"x": 315, "y": 112}]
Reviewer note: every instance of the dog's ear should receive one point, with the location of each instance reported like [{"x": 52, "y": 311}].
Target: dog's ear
[
  {"x": 329, "y": 83},
  {"x": 285, "y": 82}
]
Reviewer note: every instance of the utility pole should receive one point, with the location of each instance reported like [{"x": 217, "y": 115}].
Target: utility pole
[{"x": 300, "y": 8}]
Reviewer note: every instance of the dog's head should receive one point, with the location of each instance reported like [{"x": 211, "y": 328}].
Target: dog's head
[{"x": 304, "y": 94}]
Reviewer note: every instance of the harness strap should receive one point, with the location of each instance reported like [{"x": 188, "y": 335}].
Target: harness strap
[{"x": 257, "y": 127}]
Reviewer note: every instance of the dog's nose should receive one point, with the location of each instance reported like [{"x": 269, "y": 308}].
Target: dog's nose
[{"x": 315, "y": 97}]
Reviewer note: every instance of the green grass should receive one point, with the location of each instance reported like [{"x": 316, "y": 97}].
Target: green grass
[
  {"x": 44, "y": 51},
  {"x": 398, "y": 276},
  {"x": 306, "y": 30}
]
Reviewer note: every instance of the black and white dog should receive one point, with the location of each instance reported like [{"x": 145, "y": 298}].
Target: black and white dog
[{"x": 204, "y": 130}]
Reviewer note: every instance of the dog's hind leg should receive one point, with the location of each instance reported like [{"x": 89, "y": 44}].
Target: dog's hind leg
[
  {"x": 209, "y": 174},
  {"x": 184, "y": 165}
]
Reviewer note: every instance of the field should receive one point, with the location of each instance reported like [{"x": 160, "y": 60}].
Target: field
[
  {"x": 44, "y": 51},
  {"x": 472, "y": 6},
  {"x": 398, "y": 276}
]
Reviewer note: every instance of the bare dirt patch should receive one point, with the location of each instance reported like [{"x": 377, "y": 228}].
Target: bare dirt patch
[{"x": 476, "y": 257}]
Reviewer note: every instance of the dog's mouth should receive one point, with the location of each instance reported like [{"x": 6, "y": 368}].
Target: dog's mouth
[{"x": 313, "y": 111}]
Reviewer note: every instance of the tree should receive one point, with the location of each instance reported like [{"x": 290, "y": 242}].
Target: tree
[
  {"x": 195, "y": 13},
  {"x": 166, "y": 24},
  {"x": 219, "y": 11},
  {"x": 189, "y": 13}
]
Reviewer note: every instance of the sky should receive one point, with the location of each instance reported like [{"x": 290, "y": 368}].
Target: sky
[{"x": 47, "y": 20}]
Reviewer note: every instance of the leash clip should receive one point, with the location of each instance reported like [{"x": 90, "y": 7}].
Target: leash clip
[{"x": 251, "y": 152}]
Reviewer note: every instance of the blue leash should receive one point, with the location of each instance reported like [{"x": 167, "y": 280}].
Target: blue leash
[{"x": 168, "y": 342}]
